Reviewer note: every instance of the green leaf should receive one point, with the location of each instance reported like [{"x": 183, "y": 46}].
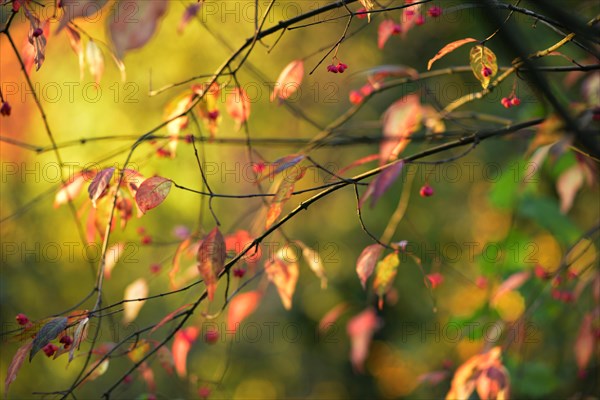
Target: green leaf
[
  {"x": 47, "y": 333},
  {"x": 384, "y": 275},
  {"x": 520, "y": 178},
  {"x": 536, "y": 380},
  {"x": 546, "y": 213},
  {"x": 482, "y": 57}
]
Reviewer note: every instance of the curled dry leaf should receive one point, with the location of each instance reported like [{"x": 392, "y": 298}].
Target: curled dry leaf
[
  {"x": 211, "y": 260},
  {"x": 127, "y": 35},
  {"x": 288, "y": 81},
  {"x": 138, "y": 289},
  {"x": 449, "y": 48},
  {"x": 360, "y": 329},
  {"x": 100, "y": 183},
  {"x": 34, "y": 50},
  {"x": 240, "y": 307}
]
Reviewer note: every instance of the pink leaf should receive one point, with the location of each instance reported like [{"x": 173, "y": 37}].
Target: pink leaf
[
  {"x": 181, "y": 347},
  {"x": 152, "y": 192},
  {"x": 365, "y": 265},
  {"x": 240, "y": 307},
  {"x": 127, "y": 35},
  {"x": 238, "y": 106},
  {"x": 288, "y": 81},
  {"x": 138, "y": 289},
  {"x": 189, "y": 13},
  {"x": 211, "y": 260},
  {"x": 381, "y": 183},
  {"x": 78, "y": 8},
  {"x": 100, "y": 183},
  {"x": 360, "y": 330},
  {"x": 511, "y": 283},
  {"x": 283, "y": 272},
  {"x": 387, "y": 28},
  {"x": 15, "y": 365},
  {"x": 447, "y": 49},
  {"x": 400, "y": 121},
  {"x": 584, "y": 345}
]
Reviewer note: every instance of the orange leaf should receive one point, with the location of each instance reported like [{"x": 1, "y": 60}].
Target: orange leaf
[
  {"x": 72, "y": 188},
  {"x": 584, "y": 345},
  {"x": 360, "y": 330},
  {"x": 447, "y": 49},
  {"x": 181, "y": 347},
  {"x": 170, "y": 316},
  {"x": 211, "y": 260},
  {"x": 240, "y": 307},
  {"x": 365, "y": 265},
  {"x": 15, "y": 365},
  {"x": 283, "y": 272},
  {"x": 283, "y": 194},
  {"x": 288, "y": 81},
  {"x": 138, "y": 289}
]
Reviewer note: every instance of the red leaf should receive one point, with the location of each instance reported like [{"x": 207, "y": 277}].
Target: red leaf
[
  {"x": 359, "y": 162},
  {"x": 181, "y": 347},
  {"x": 34, "y": 50},
  {"x": 152, "y": 192},
  {"x": 189, "y": 13},
  {"x": 138, "y": 289},
  {"x": 238, "y": 241},
  {"x": 127, "y": 35},
  {"x": 283, "y": 271},
  {"x": 211, "y": 260},
  {"x": 240, "y": 307},
  {"x": 360, "y": 330},
  {"x": 78, "y": 8},
  {"x": 365, "y": 265},
  {"x": 447, "y": 49},
  {"x": 381, "y": 183},
  {"x": 584, "y": 345},
  {"x": 15, "y": 365},
  {"x": 387, "y": 28},
  {"x": 238, "y": 106},
  {"x": 400, "y": 121},
  {"x": 100, "y": 183},
  {"x": 288, "y": 81},
  {"x": 148, "y": 377}
]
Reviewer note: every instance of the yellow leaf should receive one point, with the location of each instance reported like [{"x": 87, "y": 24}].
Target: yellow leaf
[{"x": 482, "y": 57}]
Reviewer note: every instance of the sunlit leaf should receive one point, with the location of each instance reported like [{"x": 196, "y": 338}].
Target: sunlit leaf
[
  {"x": 365, "y": 265},
  {"x": 237, "y": 104},
  {"x": 15, "y": 365},
  {"x": 368, "y": 5},
  {"x": 289, "y": 80},
  {"x": 78, "y": 9},
  {"x": 47, "y": 333},
  {"x": 34, "y": 51},
  {"x": 449, "y": 48},
  {"x": 283, "y": 194},
  {"x": 176, "y": 107},
  {"x": 137, "y": 352},
  {"x": 567, "y": 186},
  {"x": 98, "y": 369},
  {"x": 384, "y": 275},
  {"x": 211, "y": 260},
  {"x": 240, "y": 307},
  {"x": 282, "y": 270},
  {"x": 127, "y": 35},
  {"x": 138, "y": 289},
  {"x": 80, "y": 336},
  {"x": 360, "y": 330},
  {"x": 113, "y": 253},
  {"x": 170, "y": 316},
  {"x": 95, "y": 60},
  {"x": 152, "y": 192},
  {"x": 181, "y": 347},
  {"x": 71, "y": 188},
  {"x": 466, "y": 376},
  {"x": 482, "y": 57}
]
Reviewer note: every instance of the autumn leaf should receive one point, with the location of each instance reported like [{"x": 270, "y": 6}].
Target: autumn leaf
[
  {"x": 378, "y": 186},
  {"x": 483, "y": 58},
  {"x": 170, "y": 316},
  {"x": 100, "y": 183},
  {"x": 97, "y": 368},
  {"x": 237, "y": 104},
  {"x": 95, "y": 60},
  {"x": 113, "y": 253},
  {"x": 80, "y": 335},
  {"x": 138, "y": 350},
  {"x": 331, "y": 317},
  {"x": 15, "y": 365},
  {"x": 181, "y": 347},
  {"x": 360, "y": 329},
  {"x": 47, "y": 333},
  {"x": 315, "y": 262},
  {"x": 138, "y": 289},
  {"x": 400, "y": 121},
  {"x": 77, "y": 46},
  {"x": 282, "y": 195},
  {"x": 165, "y": 358},
  {"x": 567, "y": 186},
  {"x": 127, "y": 35},
  {"x": 240, "y": 307},
  {"x": 78, "y": 9},
  {"x": 384, "y": 275},
  {"x": 365, "y": 265},
  {"x": 176, "y": 107},
  {"x": 282, "y": 271},
  {"x": 289, "y": 81},
  {"x": 71, "y": 188},
  {"x": 368, "y": 6},
  {"x": 511, "y": 283},
  {"x": 387, "y": 28},
  {"x": 34, "y": 51},
  {"x": 211, "y": 260},
  {"x": 584, "y": 344},
  {"x": 447, "y": 49},
  {"x": 152, "y": 192}
]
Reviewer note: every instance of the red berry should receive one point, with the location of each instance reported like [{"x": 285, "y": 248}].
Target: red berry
[
  {"x": 140, "y": 230},
  {"x": 204, "y": 392},
  {"x": 505, "y": 102},
  {"x": 155, "y": 268},
  {"x": 258, "y": 167},
  {"x": 189, "y": 138},
  {"x": 540, "y": 272},
  {"x": 128, "y": 379},
  {"x": 481, "y": 282},
  {"x": 409, "y": 13},
  {"x": 435, "y": 279},
  {"x": 515, "y": 101},
  {"x": 426, "y": 191},
  {"x": 147, "y": 239},
  {"x": 355, "y": 97},
  {"x": 572, "y": 275},
  {"x": 557, "y": 281},
  {"x": 5, "y": 109},
  {"x": 66, "y": 340},
  {"x": 50, "y": 349},
  {"x": 434, "y": 11},
  {"x": 420, "y": 20},
  {"x": 162, "y": 152},
  {"x": 397, "y": 29},
  {"x": 332, "y": 68},
  {"x": 239, "y": 272},
  {"x": 37, "y": 32},
  {"x": 361, "y": 16},
  {"x": 211, "y": 337},
  {"x": 486, "y": 71},
  {"x": 366, "y": 89},
  {"x": 22, "y": 319}
]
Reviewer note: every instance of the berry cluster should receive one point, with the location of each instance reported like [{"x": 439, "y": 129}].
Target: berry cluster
[
  {"x": 486, "y": 71},
  {"x": 340, "y": 67},
  {"x": 511, "y": 101}
]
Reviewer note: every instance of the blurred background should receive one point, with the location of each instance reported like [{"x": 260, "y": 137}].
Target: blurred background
[{"x": 491, "y": 214}]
